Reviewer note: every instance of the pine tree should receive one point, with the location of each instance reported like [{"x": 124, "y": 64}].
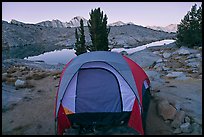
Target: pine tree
[
  {"x": 97, "y": 25},
  {"x": 80, "y": 41},
  {"x": 77, "y": 46},
  {"x": 190, "y": 29}
]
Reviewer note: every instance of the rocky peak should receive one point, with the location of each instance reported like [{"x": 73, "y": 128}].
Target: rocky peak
[
  {"x": 16, "y": 22},
  {"x": 118, "y": 23},
  {"x": 75, "y": 22}
]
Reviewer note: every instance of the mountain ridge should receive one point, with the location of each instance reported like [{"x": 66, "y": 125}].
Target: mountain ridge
[
  {"x": 168, "y": 28},
  {"x": 75, "y": 22},
  {"x": 128, "y": 35}
]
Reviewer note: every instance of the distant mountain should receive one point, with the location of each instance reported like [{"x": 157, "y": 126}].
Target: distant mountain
[
  {"x": 118, "y": 23},
  {"x": 169, "y": 28},
  {"x": 19, "y": 34},
  {"x": 74, "y": 22}
]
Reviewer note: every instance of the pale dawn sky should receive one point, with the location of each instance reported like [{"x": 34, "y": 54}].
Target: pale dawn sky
[{"x": 140, "y": 13}]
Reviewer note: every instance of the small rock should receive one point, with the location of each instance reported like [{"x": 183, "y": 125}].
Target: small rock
[
  {"x": 167, "y": 121},
  {"x": 166, "y": 55},
  {"x": 156, "y": 52},
  {"x": 200, "y": 48},
  {"x": 159, "y": 61},
  {"x": 198, "y": 55},
  {"x": 55, "y": 77},
  {"x": 177, "y": 131},
  {"x": 186, "y": 128},
  {"x": 179, "y": 119},
  {"x": 165, "y": 68},
  {"x": 178, "y": 57},
  {"x": 159, "y": 65},
  {"x": 20, "y": 83},
  {"x": 166, "y": 110},
  {"x": 187, "y": 119},
  {"x": 195, "y": 71},
  {"x": 22, "y": 68}
]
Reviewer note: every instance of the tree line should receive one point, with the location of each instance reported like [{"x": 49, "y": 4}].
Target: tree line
[{"x": 189, "y": 31}]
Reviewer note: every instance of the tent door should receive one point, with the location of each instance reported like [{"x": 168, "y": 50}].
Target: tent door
[{"x": 97, "y": 91}]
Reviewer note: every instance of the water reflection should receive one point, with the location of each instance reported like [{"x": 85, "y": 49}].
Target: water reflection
[
  {"x": 65, "y": 55},
  {"x": 58, "y": 56},
  {"x": 132, "y": 50}
]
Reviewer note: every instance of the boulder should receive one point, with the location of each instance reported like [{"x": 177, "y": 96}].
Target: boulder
[
  {"x": 175, "y": 74},
  {"x": 20, "y": 83},
  {"x": 193, "y": 64},
  {"x": 144, "y": 58},
  {"x": 186, "y": 128},
  {"x": 177, "y": 131},
  {"x": 179, "y": 119},
  {"x": 183, "y": 51},
  {"x": 166, "y": 110},
  {"x": 198, "y": 55},
  {"x": 166, "y": 55}
]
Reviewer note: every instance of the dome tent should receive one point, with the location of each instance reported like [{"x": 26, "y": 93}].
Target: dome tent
[{"x": 101, "y": 88}]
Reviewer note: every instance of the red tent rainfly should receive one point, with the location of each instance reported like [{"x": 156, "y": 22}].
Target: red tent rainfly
[{"x": 102, "y": 88}]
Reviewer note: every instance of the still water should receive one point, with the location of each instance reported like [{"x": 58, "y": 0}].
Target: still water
[{"x": 65, "y": 55}]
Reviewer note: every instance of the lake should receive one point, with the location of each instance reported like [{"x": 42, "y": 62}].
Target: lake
[{"x": 65, "y": 55}]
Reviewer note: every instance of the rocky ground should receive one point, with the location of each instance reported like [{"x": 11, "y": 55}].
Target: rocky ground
[{"x": 29, "y": 88}]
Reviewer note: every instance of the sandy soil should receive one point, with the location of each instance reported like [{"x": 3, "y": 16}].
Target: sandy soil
[{"x": 34, "y": 113}]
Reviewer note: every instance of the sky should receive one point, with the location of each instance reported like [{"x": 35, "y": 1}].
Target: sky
[{"x": 140, "y": 13}]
